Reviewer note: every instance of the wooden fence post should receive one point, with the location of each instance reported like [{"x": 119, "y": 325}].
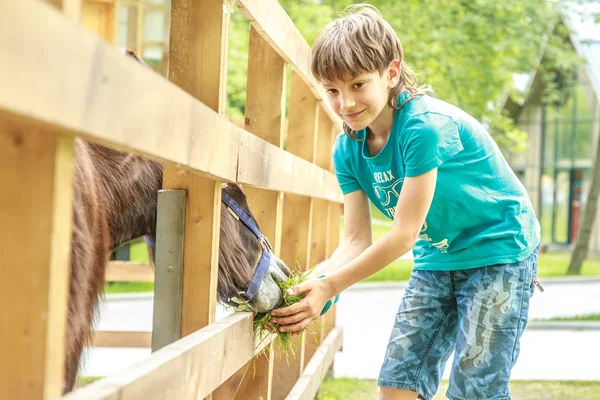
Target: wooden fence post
[
  {"x": 197, "y": 64},
  {"x": 319, "y": 212},
  {"x": 35, "y": 244},
  {"x": 265, "y": 108},
  {"x": 296, "y": 219},
  {"x": 38, "y": 165}
]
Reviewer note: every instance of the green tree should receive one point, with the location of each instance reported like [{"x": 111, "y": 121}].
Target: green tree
[{"x": 466, "y": 49}]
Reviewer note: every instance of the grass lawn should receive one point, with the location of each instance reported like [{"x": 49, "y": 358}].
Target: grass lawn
[
  {"x": 550, "y": 264},
  {"x": 357, "y": 389},
  {"x": 585, "y": 317},
  {"x": 128, "y": 287}
]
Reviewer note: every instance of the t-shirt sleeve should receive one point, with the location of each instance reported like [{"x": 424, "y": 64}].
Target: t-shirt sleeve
[
  {"x": 343, "y": 170},
  {"x": 430, "y": 139}
]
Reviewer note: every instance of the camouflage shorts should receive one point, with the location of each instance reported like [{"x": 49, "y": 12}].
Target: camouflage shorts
[{"x": 478, "y": 313}]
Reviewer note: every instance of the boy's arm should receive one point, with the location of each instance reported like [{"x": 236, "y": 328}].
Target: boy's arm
[
  {"x": 357, "y": 233},
  {"x": 413, "y": 204}
]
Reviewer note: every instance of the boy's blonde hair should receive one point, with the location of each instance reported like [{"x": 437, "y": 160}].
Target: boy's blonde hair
[{"x": 362, "y": 41}]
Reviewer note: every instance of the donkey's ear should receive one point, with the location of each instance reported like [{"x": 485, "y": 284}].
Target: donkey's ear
[
  {"x": 235, "y": 191},
  {"x": 132, "y": 54}
]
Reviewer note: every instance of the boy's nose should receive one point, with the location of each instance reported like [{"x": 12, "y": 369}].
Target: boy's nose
[{"x": 347, "y": 103}]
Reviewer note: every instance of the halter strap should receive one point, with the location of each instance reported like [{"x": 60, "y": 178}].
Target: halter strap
[{"x": 265, "y": 258}]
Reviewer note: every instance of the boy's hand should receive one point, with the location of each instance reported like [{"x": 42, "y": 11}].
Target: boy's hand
[{"x": 298, "y": 316}]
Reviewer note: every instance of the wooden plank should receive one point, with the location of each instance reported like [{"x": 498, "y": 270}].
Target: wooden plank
[
  {"x": 211, "y": 355},
  {"x": 71, "y": 8},
  {"x": 125, "y": 271},
  {"x": 265, "y": 94},
  {"x": 302, "y": 119},
  {"x": 322, "y": 152},
  {"x": 130, "y": 339},
  {"x": 276, "y": 27},
  {"x": 201, "y": 246},
  {"x": 294, "y": 252},
  {"x": 231, "y": 387},
  {"x": 36, "y": 204},
  {"x": 314, "y": 373},
  {"x": 94, "y": 80},
  {"x": 139, "y": 28},
  {"x": 334, "y": 134},
  {"x": 197, "y": 64},
  {"x": 264, "y": 116},
  {"x": 296, "y": 215},
  {"x": 263, "y": 165},
  {"x": 318, "y": 242},
  {"x": 100, "y": 18},
  {"x": 257, "y": 382},
  {"x": 267, "y": 208},
  {"x": 198, "y": 49},
  {"x": 333, "y": 240},
  {"x": 318, "y": 235}
]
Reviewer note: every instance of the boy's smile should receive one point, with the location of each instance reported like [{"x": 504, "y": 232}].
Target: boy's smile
[{"x": 352, "y": 116}]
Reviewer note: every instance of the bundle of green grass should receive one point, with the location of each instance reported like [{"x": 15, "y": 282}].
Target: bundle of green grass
[{"x": 262, "y": 321}]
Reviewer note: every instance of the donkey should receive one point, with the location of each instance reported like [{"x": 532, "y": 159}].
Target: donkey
[{"x": 114, "y": 202}]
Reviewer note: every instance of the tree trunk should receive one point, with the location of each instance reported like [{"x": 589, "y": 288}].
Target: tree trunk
[{"x": 582, "y": 243}]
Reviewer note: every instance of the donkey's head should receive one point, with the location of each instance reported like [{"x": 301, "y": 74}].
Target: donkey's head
[{"x": 248, "y": 271}]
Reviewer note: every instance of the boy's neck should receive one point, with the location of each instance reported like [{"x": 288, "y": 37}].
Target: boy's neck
[{"x": 381, "y": 127}]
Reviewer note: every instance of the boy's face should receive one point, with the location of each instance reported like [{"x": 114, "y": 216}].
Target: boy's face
[{"x": 360, "y": 100}]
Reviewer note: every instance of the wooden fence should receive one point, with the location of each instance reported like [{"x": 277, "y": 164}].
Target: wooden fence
[{"x": 58, "y": 81}]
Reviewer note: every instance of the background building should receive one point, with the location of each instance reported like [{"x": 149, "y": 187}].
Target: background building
[{"x": 556, "y": 169}]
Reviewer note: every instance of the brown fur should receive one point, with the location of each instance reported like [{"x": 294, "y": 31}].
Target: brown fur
[{"x": 114, "y": 202}]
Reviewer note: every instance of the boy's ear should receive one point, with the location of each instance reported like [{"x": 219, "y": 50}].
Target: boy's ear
[{"x": 394, "y": 70}]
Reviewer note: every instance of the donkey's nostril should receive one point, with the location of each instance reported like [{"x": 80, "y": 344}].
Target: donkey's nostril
[
  {"x": 278, "y": 275},
  {"x": 282, "y": 267}
]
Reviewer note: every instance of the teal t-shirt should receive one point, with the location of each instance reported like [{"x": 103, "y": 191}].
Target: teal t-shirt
[{"x": 480, "y": 214}]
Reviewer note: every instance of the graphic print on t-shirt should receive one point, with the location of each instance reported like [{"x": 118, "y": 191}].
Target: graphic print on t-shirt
[
  {"x": 387, "y": 188},
  {"x": 442, "y": 245}
]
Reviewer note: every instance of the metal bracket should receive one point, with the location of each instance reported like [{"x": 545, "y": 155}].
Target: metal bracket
[{"x": 168, "y": 281}]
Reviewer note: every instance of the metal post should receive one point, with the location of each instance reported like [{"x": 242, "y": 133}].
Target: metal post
[{"x": 170, "y": 228}]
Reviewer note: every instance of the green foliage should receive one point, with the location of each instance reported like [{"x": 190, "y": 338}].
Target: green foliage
[
  {"x": 237, "y": 65},
  {"x": 467, "y": 50}
]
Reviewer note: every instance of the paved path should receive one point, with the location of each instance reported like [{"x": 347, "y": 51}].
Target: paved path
[{"x": 366, "y": 313}]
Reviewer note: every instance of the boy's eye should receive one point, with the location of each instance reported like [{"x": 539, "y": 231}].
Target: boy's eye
[
  {"x": 331, "y": 91},
  {"x": 358, "y": 85}
]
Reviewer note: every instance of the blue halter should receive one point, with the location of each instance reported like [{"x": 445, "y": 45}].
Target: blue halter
[{"x": 265, "y": 259}]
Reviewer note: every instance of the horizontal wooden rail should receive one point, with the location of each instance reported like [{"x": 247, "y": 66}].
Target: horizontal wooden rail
[
  {"x": 308, "y": 384},
  {"x": 131, "y": 339},
  {"x": 125, "y": 271},
  {"x": 277, "y": 28},
  {"x": 264, "y": 165},
  {"x": 57, "y": 75},
  {"x": 192, "y": 367}
]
